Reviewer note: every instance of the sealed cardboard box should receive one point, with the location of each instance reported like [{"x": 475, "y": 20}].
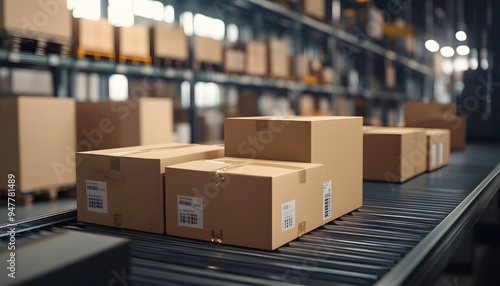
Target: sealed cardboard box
[
  {"x": 256, "y": 58},
  {"x": 108, "y": 124},
  {"x": 394, "y": 154},
  {"x": 207, "y": 50},
  {"x": 234, "y": 61},
  {"x": 170, "y": 41},
  {"x": 124, "y": 187},
  {"x": 94, "y": 36},
  {"x": 438, "y": 148},
  {"x": 278, "y": 59},
  {"x": 39, "y": 142},
  {"x": 314, "y": 8},
  {"x": 253, "y": 203},
  {"x": 134, "y": 41},
  {"x": 334, "y": 141},
  {"x": 457, "y": 126},
  {"x": 49, "y": 20}
]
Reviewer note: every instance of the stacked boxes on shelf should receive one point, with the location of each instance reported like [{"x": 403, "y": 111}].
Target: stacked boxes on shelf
[
  {"x": 234, "y": 61},
  {"x": 39, "y": 142},
  {"x": 278, "y": 59},
  {"x": 134, "y": 44},
  {"x": 208, "y": 51},
  {"x": 94, "y": 38},
  {"x": 256, "y": 58},
  {"x": 170, "y": 42}
]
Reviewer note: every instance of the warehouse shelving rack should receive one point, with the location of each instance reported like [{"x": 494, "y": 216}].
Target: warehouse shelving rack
[{"x": 63, "y": 69}]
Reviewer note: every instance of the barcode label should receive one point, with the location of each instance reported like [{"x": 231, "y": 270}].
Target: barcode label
[
  {"x": 433, "y": 155},
  {"x": 327, "y": 200},
  {"x": 97, "y": 196},
  {"x": 190, "y": 211},
  {"x": 441, "y": 150},
  {"x": 287, "y": 215}
]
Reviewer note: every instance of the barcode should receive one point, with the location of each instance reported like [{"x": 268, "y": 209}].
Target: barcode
[
  {"x": 188, "y": 218},
  {"x": 96, "y": 203},
  {"x": 286, "y": 207},
  {"x": 95, "y": 188},
  {"x": 327, "y": 207},
  {"x": 185, "y": 203}
]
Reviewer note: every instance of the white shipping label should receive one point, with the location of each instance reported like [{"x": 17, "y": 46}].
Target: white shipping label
[
  {"x": 327, "y": 199},
  {"x": 190, "y": 211},
  {"x": 287, "y": 215},
  {"x": 441, "y": 151},
  {"x": 433, "y": 155},
  {"x": 97, "y": 196}
]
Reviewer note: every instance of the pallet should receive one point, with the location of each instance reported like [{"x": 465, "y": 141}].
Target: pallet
[
  {"x": 234, "y": 72},
  {"x": 48, "y": 195},
  {"x": 97, "y": 56},
  {"x": 39, "y": 46},
  {"x": 169, "y": 63},
  {"x": 310, "y": 80},
  {"x": 124, "y": 59},
  {"x": 202, "y": 66}
]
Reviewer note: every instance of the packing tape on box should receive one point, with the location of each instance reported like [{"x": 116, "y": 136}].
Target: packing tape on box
[
  {"x": 218, "y": 176},
  {"x": 301, "y": 229},
  {"x": 217, "y": 236},
  {"x": 114, "y": 161}
]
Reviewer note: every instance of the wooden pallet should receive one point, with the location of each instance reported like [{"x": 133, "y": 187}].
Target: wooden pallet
[
  {"x": 234, "y": 72},
  {"x": 95, "y": 55},
  {"x": 38, "y": 46},
  {"x": 202, "y": 66},
  {"x": 310, "y": 79},
  {"x": 169, "y": 63},
  {"x": 27, "y": 198},
  {"x": 124, "y": 59}
]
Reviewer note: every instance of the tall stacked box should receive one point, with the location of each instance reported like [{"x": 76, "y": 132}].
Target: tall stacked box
[
  {"x": 39, "y": 141},
  {"x": 335, "y": 142},
  {"x": 256, "y": 58},
  {"x": 124, "y": 187},
  {"x": 170, "y": 42}
]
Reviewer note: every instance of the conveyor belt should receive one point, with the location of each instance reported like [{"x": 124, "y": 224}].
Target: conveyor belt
[{"x": 393, "y": 239}]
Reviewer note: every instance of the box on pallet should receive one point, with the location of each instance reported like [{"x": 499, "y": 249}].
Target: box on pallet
[
  {"x": 124, "y": 187},
  {"x": 334, "y": 141},
  {"x": 134, "y": 42},
  {"x": 39, "y": 142},
  {"x": 393, "y": 154},
  {"x": 170, "y": 42},
  {"x": 253, "y": 203},
  {"x": 234, "y": 60},
  {"x": 207, "y": 50},
  {"x": 94, "y": 36},
  {"x": 110, "y": 124}
]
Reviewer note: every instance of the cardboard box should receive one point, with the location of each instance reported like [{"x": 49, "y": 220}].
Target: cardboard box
[
  {"x": 108, "y": 124},
  {"x": 457, "y": 126},
  {"x": 248, "y": 103},
  {"x": 170, "y": 41},
  {"x": 334, "y": 141},
  {"x": 278, "y": 59},
  {"x": 256, "y": 58},
  {"x": 134, "y": 41},
  {"x": 438, "y": 148},
  {"x": 34, "y": 19},
  {"x": 207, "y": 50},
  {"x": 434, "y": 115},
  {"x": 327, "y": 76},
  {"x": 302, "y": 66},
  {"x": 307, "y": 105},
  {"x": 252, "y": 203},
  {"x": 39, "y": 142},
  {"x": 124, "y": 187},
  {"x": 234, "y": 61},
  {"x": 314, "y": 8},
  {"x": 394, "y": 154},
  {"x": 95, "y": 36}
]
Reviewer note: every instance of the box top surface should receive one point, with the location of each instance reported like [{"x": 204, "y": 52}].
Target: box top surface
[
  {"x": 252, "y": 167},
  {"x": 157, "y": 151},
  {"x": 141, "y": 99},
  {"x": 394, "y": 130},
  {"x": 296, "y": 118},
  {"x": 436, "y": 131}
]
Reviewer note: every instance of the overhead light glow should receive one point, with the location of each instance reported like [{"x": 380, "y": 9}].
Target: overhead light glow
[
  {"x": 461, "y": 36},
  {"x": 461, "y": 64},
  {"x": 484, "y": 64},
  {"x": 447, "y": 66},
  {"x": 473, "y": 63},
  {"x": 447, "y": 52},
  {"x": 463, "y": 50},
  {"x": 432, "y": 46}
]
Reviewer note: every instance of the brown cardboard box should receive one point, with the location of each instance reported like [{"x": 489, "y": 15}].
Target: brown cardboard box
[
  {"x": 327, "y": 76},
  {"x": 170, "y": 41},
  {"x": 124, "y": 187},
  {"x": 256, "y": 58},
  {"x": 234, "y": 61},
  {"x": 438, "y": 148},
  {"x": 207, "y": 50},
  {"x": 134, "y": 41},
  {"x": 278, "y": 59},
  {"x": 248, "y": 103},
  {"x": 109, "y": 124},
  {"x": 334, "y": 141},
  {"x": 303, "y": 66},
  {"x": 434, "y": 115},
  {"x": 394, "y": 154},
  {"x": 457, "y": 126},
  {"x": 49, "y": 20},
  {"x": 307, "y": 105},
  {"x": 252, "y": 203},
  {"x": 314, "y": 8},
  {"x": 95, "y": 36},
  {"x": 39, "y": 142}
]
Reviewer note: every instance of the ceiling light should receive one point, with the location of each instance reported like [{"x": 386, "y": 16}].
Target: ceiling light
[
  {"x": 447, "y": 52},
  {"x": 432, "y": 46}
]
